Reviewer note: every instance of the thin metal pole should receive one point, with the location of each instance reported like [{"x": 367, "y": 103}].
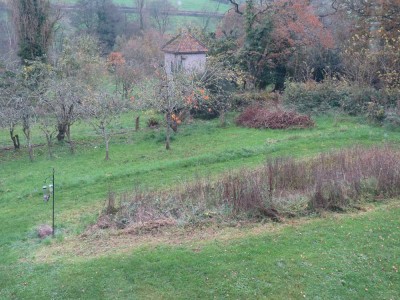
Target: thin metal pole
[{"x": 53, "y": 204}]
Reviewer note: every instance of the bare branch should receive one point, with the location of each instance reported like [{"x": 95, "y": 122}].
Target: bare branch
[{"x": 236, "y": 7}]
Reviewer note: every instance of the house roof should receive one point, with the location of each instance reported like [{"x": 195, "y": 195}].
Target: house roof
[{"x": 184, "y": 43}]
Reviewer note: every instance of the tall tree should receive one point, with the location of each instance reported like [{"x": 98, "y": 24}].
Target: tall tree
[
  {"x": 35, "y": 22},
  {"x": 140, "y": 5},
  {"x": 160, "y": 13},
  {"x": 272, "y": 32}
]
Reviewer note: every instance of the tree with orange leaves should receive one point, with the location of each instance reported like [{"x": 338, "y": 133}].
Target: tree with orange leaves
[{"x": 273, "y": 32}]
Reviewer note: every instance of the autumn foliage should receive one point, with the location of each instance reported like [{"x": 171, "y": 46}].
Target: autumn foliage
[{"x": 270, "y": 38}]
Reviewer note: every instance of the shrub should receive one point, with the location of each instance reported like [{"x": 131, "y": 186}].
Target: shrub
[
  {"x": 204, "y": 113},
  {"x": 333, "y": 94},
  {"x": 153, "y": 122},
  {"x": 392, "y": 120},
  {"x": 259, "y": 117}
]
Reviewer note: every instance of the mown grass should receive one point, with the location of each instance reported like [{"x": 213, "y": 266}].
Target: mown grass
[
  {"x": 348, "y": 257},
  {"x": 139, "y": 159}
]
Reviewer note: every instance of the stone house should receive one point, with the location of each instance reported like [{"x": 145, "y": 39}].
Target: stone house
[{"x": 184, "y": 52}]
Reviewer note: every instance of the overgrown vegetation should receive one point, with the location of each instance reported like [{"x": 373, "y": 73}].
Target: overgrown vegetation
[
  {"x": 284, "y": 187},
  {"x": 342, "y": 97}
]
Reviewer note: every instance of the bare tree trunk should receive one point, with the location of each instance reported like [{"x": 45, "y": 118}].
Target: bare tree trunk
[
  {"x": 106, "y": 142},
  {"x": 49, "y": 144},
  {"x": 137, "y": 123},
  {"x": 140, "y": 8},
  {"x": 168, "y": 131},
  {"x": 27, "y": 133},
  {"x": 14, "y": 138},
  {"x": 62, "y": 129},
  {"x": 222, "y": 119},
  {"x": 374, "y": 25},
  {"x": 70, "y": 142}
]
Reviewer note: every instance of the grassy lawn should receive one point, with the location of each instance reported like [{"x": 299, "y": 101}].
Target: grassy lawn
[
  {"x": 347, "y": 257},
  {"x": 352, "y": 257}
]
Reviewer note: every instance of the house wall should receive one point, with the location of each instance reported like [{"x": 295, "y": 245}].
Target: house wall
[{"x": 189, "y": 62}]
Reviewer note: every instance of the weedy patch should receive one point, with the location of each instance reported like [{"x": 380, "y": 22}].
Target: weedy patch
[{"x": 283, "y": 188}]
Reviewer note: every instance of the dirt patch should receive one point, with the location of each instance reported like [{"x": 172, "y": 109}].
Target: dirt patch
[{"x": 96, "y": 243}]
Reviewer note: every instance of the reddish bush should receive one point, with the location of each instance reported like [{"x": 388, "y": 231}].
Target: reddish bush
[{"x": 259, "y": 117}]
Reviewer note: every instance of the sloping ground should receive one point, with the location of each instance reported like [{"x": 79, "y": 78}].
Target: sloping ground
[
  {"x": 171, "y": 265},
  {"x": 350, "y": 256}
]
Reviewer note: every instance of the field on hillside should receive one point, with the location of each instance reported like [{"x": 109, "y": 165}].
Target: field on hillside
[{"x": 346, "y": 256}]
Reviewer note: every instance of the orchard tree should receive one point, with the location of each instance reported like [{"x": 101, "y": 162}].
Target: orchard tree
[
  {"x": 63, "y": 99},
  {"x": 76, "y": 71},
  {"x": 19, "y": 97},
  {"x": 101, "y": 110},
  {"x": 168, "y": 95},
  {"x": 9, "y": 114},
  {"x": 46, "y": 126}
]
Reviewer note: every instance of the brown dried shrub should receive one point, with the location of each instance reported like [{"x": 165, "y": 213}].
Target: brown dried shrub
[{"x": 277, "y": 118}]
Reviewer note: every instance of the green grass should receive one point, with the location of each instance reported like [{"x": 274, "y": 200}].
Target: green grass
[
  {"x": 199, "y": 149},
  {"x": 352, "y": 257}
]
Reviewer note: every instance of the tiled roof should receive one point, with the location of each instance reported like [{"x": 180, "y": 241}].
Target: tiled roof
[{"x": 184, "y": 43}]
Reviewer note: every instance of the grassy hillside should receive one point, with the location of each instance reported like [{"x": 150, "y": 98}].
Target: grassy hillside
[{"x": 353, "y": 256}]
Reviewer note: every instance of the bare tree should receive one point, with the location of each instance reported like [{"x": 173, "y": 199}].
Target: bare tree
[
  {"x": 140, "y": 5},
  {"x": 10, "y": 118},
  {"x": 101, "y": 110},
  {"x": 17, "y": 108},
  {"x": 63, "y": 98},
  {"x": 160, "y": 13},
  {"x": 168, "y": 95},
  {"x": 76, "y": 70},
  {"x": 9, "y": 114},
  {"x": 48, "y": 128}
]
